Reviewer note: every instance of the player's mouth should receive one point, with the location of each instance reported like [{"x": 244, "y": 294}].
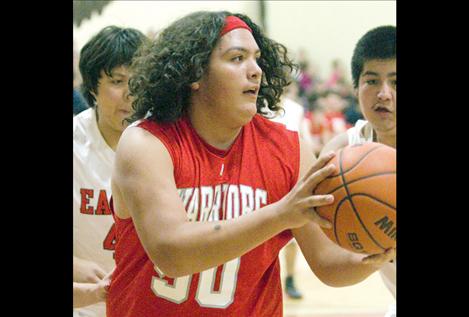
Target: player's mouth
[
  {"x": 252, "y": 91},
  {"x": 383, "y": 110}
]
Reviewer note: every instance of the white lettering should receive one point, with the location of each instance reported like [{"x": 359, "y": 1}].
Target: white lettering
[
  {"x": 206, "y": 195},
  {"x": 193, "y": 208},
  {"x": 215, "y": 212},
  {"x": 261, "y": 198},
  {"x": 232, "y": 204},
  {"x": 247, "y": 199}
]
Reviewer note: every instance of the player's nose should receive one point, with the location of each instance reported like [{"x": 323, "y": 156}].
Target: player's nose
[{"x": 385, "y": 92}]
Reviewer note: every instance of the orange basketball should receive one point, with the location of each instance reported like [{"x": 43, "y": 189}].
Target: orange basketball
[{"x": 363, "y": 214}]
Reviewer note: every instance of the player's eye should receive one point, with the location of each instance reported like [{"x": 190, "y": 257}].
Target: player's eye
[
  {"x": 371, "y": 82},
  {"x": 237, "y": 58}
]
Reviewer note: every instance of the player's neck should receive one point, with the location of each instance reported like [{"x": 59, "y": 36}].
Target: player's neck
[
  {"x": 388, "y": 139},
  {"x": 110, "y": 136},
  {"x": 213, "y": 130}
]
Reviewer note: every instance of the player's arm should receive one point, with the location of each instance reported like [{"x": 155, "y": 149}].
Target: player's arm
[
  {"x": 143, "y": 184},
  {"x": 336, "y": 143},
  {"x": 332, "y": 264},
  {"x": 85, "y": 271}
]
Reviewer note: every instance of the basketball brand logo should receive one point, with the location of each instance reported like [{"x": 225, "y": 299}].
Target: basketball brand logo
[
  {"x": 387, "y": 226},
  {"x": 353, "y": 238}
]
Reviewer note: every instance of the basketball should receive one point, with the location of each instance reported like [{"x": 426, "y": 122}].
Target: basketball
[{"x": 363, "y": 214}]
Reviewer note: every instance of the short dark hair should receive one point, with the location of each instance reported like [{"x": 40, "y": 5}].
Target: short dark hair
[
  {"x": 163, "y": 71},
  {"x": 378, "y": 43},
  {"x": 112, "y": 47}
]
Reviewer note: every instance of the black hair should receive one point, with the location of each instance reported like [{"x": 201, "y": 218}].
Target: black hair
[
  {"x": 378, "y": 43},
  {"x": 163, "y": 71},
  {"x": 112, "y": 47}
]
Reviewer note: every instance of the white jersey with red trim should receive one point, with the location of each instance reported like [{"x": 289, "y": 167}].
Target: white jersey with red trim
[
  {"x": 363, "y": 132},
  {"x": 93, "y": 224}
]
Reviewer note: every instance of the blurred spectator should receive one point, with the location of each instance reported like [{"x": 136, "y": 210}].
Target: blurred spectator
[
  {"x": 305, "y": 79},
  {"x": 326, "y": 118},
  {"x": 79, "y": 102},
  {"x": 337, "y": 76},
  {"x": 352, "y": 111}
]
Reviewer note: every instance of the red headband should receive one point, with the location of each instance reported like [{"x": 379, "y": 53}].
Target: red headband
[{"x": 231, "y": 23}]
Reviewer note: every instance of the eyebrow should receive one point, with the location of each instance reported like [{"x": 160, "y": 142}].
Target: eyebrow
[
  {"x": 370, "y": 73},
  {"x": 117, "y": 75},
  {"x": 239, "y": 48}
]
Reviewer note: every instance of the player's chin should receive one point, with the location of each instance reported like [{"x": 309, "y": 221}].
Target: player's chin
[
  {"x": 387, "y": 122},
  {"x": 248, "y": 112}
]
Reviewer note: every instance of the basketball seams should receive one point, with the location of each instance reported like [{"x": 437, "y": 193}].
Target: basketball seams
[
  {"x": 356, "y": 163},
  {"x": 350, "y": 198},
  {"x": 375, "y": 199},
  {"x": 361, "y": 178},
  {"x": 336, "y": 212},
  {"x": 362, "y": 158}
]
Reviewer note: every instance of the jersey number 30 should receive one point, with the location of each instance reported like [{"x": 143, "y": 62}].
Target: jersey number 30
[{"x": 205, "y": 296}]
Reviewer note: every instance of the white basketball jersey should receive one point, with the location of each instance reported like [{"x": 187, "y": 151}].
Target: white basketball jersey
[
  {"x": 292, "y": 116},
  {"x": 93, "y": 224},
  {"x": 363, "y": 132}
]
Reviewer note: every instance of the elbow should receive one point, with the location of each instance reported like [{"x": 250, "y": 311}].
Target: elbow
[
  {"x": 167, "y": 262},
  {"x": 333, "y": 282},
  {"x": 167, "y": 270},
  {"x": 331, "y": 278}
]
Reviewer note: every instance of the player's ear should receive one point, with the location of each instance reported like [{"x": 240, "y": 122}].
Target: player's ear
[
  {"x": 195, "y": 86},
  {"x": 355, "y": 92}
]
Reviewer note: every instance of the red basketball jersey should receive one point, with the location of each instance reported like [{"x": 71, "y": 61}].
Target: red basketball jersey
[{"x": 261, "y": 167}]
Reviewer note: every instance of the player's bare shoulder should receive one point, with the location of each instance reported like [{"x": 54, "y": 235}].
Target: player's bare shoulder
[
  {"x": 141, "y": 159},
  {"x": 137, "y": 144},
  {"x": 337, "y": 142}
]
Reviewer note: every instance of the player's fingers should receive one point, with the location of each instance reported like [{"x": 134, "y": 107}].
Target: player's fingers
[
  {"x": 92, "y": 279},
  {"x": 318, "y": 200},
  {"x": 100, "y": 273},
  {"x": 109, "y": 275},
  {"x": 320, "y": 162},
  {"x": 390, "y": 254},
  {"x": 313, "y": 180},
  {"x": 379, "y": 259},
  {"x": 322, "y": 222}
]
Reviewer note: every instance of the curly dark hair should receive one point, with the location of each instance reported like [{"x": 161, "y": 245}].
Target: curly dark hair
[
  {"x": 378, "y": 43},
  {"x": 163, "y": 71}
]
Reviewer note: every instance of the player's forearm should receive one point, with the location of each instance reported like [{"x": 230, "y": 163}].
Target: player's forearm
[
  {"x": 197, "y": 246},
  {"x": 340, "y": 269},
  {"x": 85, "y": 271},
  {"x": 85, "y": 294},
  {"x": 79, "y": 267}
]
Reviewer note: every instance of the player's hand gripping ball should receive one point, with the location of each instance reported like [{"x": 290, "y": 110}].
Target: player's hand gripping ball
[{"x": 363, "y": 214}]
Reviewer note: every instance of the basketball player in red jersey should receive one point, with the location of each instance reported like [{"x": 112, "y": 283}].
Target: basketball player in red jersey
[{"x": 206, "y": 191}]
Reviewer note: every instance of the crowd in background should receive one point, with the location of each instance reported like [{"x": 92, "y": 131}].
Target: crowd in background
[{"x": 330, "y": 105}]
